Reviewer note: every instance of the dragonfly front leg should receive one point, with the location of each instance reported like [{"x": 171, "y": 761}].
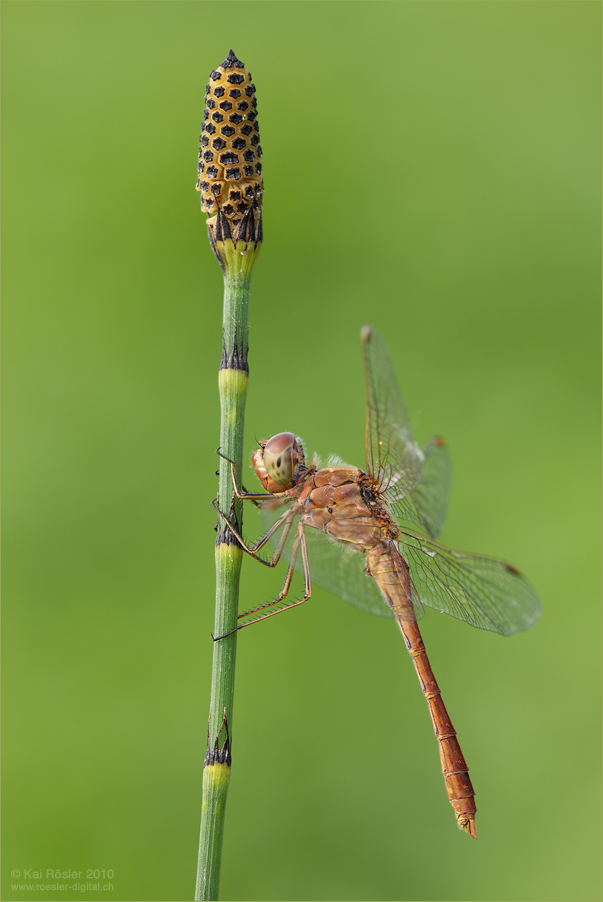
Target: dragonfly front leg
[
  {"x": 240, "y": 492},
  {"x": 299, "y": 544}
]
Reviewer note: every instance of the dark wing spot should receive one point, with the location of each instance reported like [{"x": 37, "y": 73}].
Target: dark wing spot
[{"x": 512, "y": 569}]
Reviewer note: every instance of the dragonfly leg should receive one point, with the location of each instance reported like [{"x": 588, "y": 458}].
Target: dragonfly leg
[
  {"x": 284, "y": 522},
  {"x": 240, "y": 492},
  {"x": 299, "y": 544}
]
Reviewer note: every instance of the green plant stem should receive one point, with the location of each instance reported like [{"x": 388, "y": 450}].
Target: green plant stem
[{"x": 233, "y": 381}]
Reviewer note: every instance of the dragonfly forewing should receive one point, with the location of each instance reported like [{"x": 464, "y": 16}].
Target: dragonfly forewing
[{"x": 392, "y": 456}]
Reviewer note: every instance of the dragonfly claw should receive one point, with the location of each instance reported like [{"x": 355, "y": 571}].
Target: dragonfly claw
[
  {"x": 223, "y": 456},
  {"x": 216, "y": 507}
]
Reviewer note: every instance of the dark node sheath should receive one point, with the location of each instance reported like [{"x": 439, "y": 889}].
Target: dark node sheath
[
  {"x": 224, "y": 535},
  {"x": 236, "y": 359},
  {"x": 215, "y": 754}
]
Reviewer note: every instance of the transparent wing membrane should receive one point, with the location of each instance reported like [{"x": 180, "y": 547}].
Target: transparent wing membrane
[
  {"x": 392, "y": 456},
  {"x": 426, "y": 506},
  {"x": 485, "y": 592},
  {"x": 335, "y": 567}
]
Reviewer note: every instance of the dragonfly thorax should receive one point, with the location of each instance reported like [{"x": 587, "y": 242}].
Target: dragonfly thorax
[{"x": 279, "y": 462}]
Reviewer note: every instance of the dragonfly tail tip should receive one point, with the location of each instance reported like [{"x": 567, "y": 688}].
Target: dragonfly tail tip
[{"x": 468, "y": 824}]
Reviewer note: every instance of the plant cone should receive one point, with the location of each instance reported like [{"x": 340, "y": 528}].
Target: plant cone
[{"x": 230, "y": 172}]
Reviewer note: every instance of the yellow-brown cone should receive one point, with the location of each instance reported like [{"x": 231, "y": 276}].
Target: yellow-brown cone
[{"x": 230, "y": 168}]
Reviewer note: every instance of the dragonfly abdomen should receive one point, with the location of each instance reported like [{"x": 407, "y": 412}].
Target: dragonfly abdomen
[
  {"x": 390, "y": 571},
  {"x": 454, "y": 767}
]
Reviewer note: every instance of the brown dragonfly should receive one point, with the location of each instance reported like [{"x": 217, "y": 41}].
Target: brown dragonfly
[{"x": 371, "y": 541}]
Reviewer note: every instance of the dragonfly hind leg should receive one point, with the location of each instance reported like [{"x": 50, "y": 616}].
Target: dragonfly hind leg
[{"x": 299, "y": 545}]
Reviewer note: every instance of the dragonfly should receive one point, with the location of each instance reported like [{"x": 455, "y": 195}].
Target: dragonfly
[{"x": 370, "y": 537}]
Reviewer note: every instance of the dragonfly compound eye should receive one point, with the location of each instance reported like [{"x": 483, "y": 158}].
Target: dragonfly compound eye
[{"x": 281, "y": 457}]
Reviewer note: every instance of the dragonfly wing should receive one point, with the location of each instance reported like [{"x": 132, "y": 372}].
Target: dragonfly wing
[
  {"x": 392, "y": 455},
  {"x": 431, "y": 495},
  {"x": 483, "y": 591},
  {"x": 336, "y": 567},
  {"x": 427, "y": 504}
]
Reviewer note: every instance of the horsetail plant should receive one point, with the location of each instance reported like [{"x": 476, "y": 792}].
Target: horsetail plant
[{"x": 231, "y": 186}]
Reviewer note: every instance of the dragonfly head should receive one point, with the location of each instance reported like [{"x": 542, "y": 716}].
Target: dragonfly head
[{"x": 279, "y": 462}]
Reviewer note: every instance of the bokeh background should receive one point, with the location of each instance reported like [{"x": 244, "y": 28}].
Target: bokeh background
[{"x": 431, "y": 168}]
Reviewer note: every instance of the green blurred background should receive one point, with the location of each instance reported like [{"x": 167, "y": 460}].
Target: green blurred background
[{"x": 431, "y": 168}]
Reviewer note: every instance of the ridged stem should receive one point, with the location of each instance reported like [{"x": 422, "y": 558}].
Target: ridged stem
[{"x": 237, "y": 261}]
